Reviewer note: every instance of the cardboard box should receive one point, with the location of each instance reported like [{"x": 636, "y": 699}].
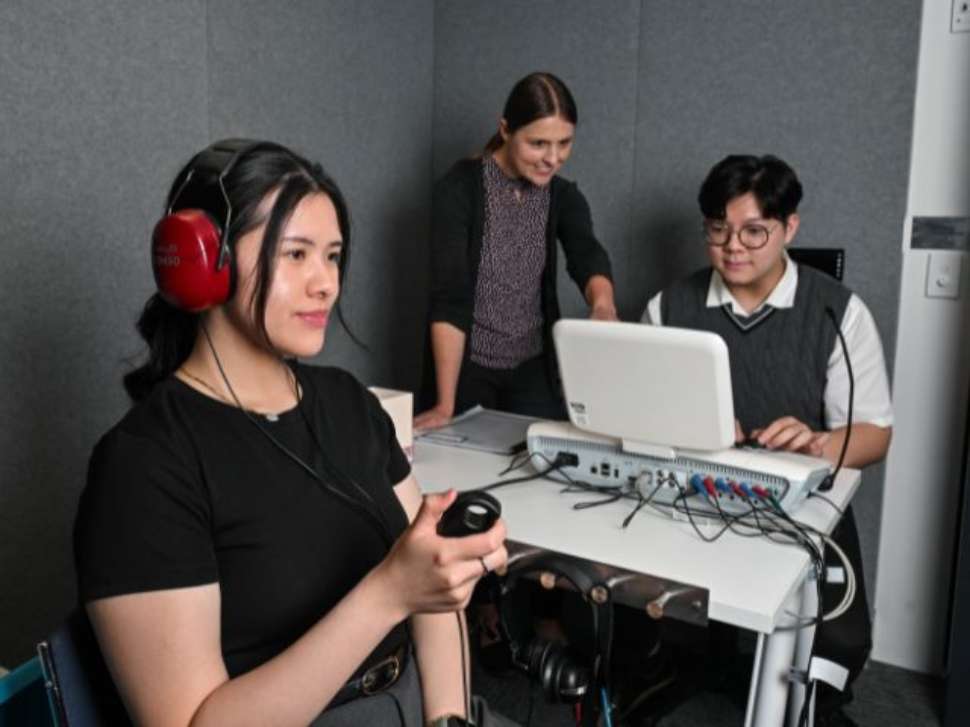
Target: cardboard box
[{"x": 399, "y": 406}]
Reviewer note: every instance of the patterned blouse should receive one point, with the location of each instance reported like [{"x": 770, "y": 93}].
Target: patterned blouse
[{"x": 507, "y": 326}]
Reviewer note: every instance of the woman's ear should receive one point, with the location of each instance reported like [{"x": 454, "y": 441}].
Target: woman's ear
[
  {"x": 791, "y": 227},
  {"x": 503, "y": 130}
]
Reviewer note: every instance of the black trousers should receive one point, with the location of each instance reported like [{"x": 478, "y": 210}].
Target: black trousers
[
  {"x": 401, "y": 705},
  {"x": 846, "y": 640},
  {"x": 526, "y": 389}
]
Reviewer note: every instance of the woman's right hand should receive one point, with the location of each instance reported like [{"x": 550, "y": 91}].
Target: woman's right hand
[
  {"x": 434, "y": 418},
  {"x": 428, "y": 573}
]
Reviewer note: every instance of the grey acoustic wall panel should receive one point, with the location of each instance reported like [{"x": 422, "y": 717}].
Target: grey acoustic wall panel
[
  {"x": 828, "y": 87},
  {"x": 103, "y": 100},
  {"x": 102, "y": 103},
  {"x": 481, "y": 49},
  {"x": 347, "y": 84},
  {"x": 96, "y": 95}
]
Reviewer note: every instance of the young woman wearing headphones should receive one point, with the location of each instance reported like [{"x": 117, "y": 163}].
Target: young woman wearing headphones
[
  {"x": 251, "y": 546},
  {"x": 493, "y": 261}
]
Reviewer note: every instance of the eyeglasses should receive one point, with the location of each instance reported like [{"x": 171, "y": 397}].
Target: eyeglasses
[{"x": 719, "y": 234}]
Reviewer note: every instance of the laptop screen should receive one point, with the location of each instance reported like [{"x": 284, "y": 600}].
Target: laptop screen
[{"x": 654, "y": 385}]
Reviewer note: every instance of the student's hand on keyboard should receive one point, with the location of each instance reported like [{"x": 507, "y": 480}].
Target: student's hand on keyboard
[{"x": 791, "y": 435}]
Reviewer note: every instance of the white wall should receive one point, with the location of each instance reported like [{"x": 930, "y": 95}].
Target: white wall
[{"x": 931, "y": 370}]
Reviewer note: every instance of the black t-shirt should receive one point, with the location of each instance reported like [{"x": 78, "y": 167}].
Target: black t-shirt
[{"x": 185, "y": 490}]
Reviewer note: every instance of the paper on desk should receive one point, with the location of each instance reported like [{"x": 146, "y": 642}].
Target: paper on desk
[{"x": 483, "y": 429}]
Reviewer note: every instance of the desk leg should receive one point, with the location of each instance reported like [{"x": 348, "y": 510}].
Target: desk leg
[
  {"x": 773, "y": 658},
  {"x": 803, "y": 651},
  {"x": 759, "y": 651}
]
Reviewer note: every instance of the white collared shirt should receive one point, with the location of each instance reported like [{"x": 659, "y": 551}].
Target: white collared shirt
[{"x": 872, "y": 403}]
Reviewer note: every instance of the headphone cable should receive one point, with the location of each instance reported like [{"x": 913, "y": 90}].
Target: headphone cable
[
  {"x": 464, "y": 676},
  {"x": 829, "y": 480},
  {"x": 354, "y": 504},
  {"x": 375, "y": 516}
]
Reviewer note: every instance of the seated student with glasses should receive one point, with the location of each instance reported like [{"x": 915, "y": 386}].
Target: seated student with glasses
[{"x": 791, "y": 381}]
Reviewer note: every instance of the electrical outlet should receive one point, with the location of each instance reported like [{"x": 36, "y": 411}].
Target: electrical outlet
[
  {"x": 943, "y": 274},
  {"x": 960, "y": 20}
]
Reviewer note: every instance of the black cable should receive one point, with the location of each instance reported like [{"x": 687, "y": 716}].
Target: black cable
[
  {"x": 681, "y": 504},
  {"x": 517, "y": 480},
  {"x": 809, "y": 694},
  {"x": 643, "y": 502},
  {"x": 829, "y": 480},
  {"x": 532, "y": 701},
  {"x": 466, "y": 693},
  {"x": 798, "y": 536},
  {"x": 518, "y": 460},
  {"x": 793, "y": 533},
  {"x": 826, "y": 485},
  {"x": 825, "y": 499},
  {"x": 464, "y": 675},
  {"x": 818, "y": 559},
  {"x": 819, "y": 616},
  {"x": 613, "y": 492},
  {"x": 376, "y": 519},
  {"x": 596, "y": 503},
  {"x": 553, "y": 466},
  {"x": 682, "y": 497},
  {"x": 801, "y": 530},
  {"x": 640, "y": 505}
]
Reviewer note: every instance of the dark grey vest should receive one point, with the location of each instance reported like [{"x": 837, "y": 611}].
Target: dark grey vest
[{"x": 779, "y": 359}]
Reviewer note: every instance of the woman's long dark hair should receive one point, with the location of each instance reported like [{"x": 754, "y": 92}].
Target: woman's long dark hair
[
  {"x": 170, "y": 332},
  {"x": 536, "y": 96}
]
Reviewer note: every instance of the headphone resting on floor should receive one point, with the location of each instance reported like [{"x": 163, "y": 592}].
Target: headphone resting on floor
[
  {"x": 564, "y": 674},
  {"x": 190, "y": 245}
]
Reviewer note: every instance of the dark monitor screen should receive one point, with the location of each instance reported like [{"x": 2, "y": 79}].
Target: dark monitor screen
[{"x": 829, "y": 260}]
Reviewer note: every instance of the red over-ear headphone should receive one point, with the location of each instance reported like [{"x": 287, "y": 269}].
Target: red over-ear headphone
[{"x": 190, "y": 245}]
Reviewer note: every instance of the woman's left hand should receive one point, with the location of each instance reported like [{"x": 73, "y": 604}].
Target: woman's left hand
[
  {"x": 425, "y": 572},
  {"x": 792, "y": 435}
]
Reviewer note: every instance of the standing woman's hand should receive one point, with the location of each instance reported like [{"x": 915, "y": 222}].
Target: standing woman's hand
[
  {"x": 448, "y": 348},
  {"x": 434, "y": 418},
  {"x": 599, "y": 296},
  {"x": 603, "y": 312},
  {"x": 428, "y": 573}
]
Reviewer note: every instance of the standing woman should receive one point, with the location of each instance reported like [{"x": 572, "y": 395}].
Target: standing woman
[
  {"x": 251, "y": 546},
  {"x": 493, "y": 261}
]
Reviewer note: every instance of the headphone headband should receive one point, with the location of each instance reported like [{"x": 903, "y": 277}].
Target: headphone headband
[
  {"x": 190, "y": 245},
  {"x": 204, "y": 186},
  {"x": 549, "y": 562},
  {"x": 563, "y": 677}
]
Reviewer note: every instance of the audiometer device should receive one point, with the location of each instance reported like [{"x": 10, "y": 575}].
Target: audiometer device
[{"x": 651, "y": 406}]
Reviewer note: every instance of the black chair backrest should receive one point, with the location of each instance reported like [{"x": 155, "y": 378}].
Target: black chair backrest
[
  {"x": 829, "y": 260},
  {"x": 79, "y": 687}
]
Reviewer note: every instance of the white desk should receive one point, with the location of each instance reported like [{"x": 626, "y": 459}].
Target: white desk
[{"x": 751, "y": 581}]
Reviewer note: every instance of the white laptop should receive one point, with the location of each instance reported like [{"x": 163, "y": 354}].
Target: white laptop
[{"x": 647, "y": 385}]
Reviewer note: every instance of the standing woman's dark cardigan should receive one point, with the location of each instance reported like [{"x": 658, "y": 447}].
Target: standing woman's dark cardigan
[{"x": 456, "y": 250}]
